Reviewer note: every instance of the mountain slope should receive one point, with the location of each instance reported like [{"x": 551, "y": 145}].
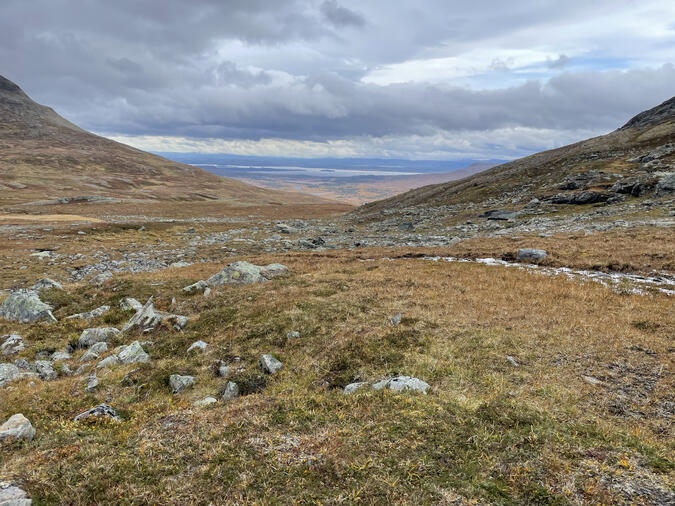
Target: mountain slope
[
  {"x": 43, "y": 156},
  {"x": 628, "y": 162}
]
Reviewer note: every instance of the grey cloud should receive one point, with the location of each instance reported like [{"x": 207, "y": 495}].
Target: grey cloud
[
  {"x": 562, "y": 61},
  {"x": 341, "y": 16}
]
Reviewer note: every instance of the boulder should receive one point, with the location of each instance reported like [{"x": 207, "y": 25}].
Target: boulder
[
  {"x": 108, "y": 361},
  {"x": 353, "y": 387},
  {"x": 581, "y": 198},
  {"x": 402, "y": 384},
  {"x": 12, "y": 344},
  {"x": 197, "y": 346},
  {"x": 284, "y": 228},
  {"x": 25, "y": 306},
  {"x": 268, "y": 364},
  {"x": 92, "y": 383},
  {"x": 179, "y": 383},
  {"x": 90, "y": 315},
  {"x": 94, "y": 352},
  {"x": 17, "y": 427},
  {"x": 59, "y": 356},
  {"x": 206, "y": 401},
  {"x": 230, "y": 392},
  {"x": 499, "y": 215},
  {"x": 147, "y": 319},
  {"x": 8, "y": 372},
  {"x": 198, "y": 287},
  {"x": 666, "y": 185},
  {"x": 531, "y": 254},
  {"x": 45, "y": 370},
  {"x": 100, "y": 411},
  {"x": 101, "y": 278},
  {"x": 132, "y": 354},
  {"x": 221, "y": 369},
  {"x": 129, "y": 303},
  {"x": 11, "y": 495},
  {"x": 46, "y": 284},
  {"x": 96, "y": 335},
  {"x": 245, "y": 273}
]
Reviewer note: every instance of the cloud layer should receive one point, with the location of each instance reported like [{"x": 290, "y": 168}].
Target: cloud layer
[{"x": 425, "y": 79}]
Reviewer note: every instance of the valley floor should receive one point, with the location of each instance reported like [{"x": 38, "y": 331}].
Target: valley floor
[{"x": 544, "y": 389}]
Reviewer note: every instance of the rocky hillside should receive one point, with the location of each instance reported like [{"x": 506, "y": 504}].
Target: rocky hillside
[
  {"x": 637, "y": 160},
  {"x": 43, "y": 156}
]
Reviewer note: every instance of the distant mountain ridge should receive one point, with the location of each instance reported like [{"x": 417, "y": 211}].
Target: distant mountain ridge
[{"x": 44, "y": 156}]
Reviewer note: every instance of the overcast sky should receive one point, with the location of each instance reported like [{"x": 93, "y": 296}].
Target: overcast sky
[{"x": 439, "y": 79}]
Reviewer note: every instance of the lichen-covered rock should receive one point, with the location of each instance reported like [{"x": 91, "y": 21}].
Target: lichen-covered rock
[
  {"x": 402, "y": 384},
  {"x": 25, "y": 306},
  {"x": 293, "y": 334},
  {"x": 268, "y": 364},
  {"x": 179, "y": 383},
  {"x": 666, "y": 184},
  {"x": 8, "y": 372},
  {"x": 100, "y": 411},
  {"x": 94, "y": 352},
  {"x": 12, "y": 344},
  {"x": 59, "y": 356},
  {"x": 46, "y": 284},
  {"x": 197, "y": 346},
  {"x": 245, "y": 273},
  {"x": 45, "y": 370},
  {"x": 531, "y": 254},
  {"x": 108, "y": 361},
  {"x": 132, "y": 354},
  {"x": 230, "y": 392},
  {"x": 17, "y": 427},
  {"x": 147, "y": 318},
  {"x": 101, "y": 278},
  {"x": 92, "y": 383},
  {"x": 12, "y": 495},
  {"x": 90, "y": 315},
  {"x": 96, "y": 335}
]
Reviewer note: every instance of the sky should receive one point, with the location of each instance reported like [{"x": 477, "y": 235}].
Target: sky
[{"x": 418, "y": 79}]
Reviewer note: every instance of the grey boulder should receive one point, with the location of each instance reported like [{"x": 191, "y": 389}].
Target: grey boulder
[
  {"x": 11, "y": 495},
  {"x": 46, "y": 284},
  {"x": 17, "y": 427},
  {"x": 197, "y": 346},
  {"x": 666, "y": 184},
  {"x": 8, "y": 372},
  {"x": 268, "y": 364},
  {"x": 45, "y": 370},
  {"x": 353, "y": 387},
  {"x": 25, "y": 306},
  {"x": 100, "y": 411},
  {"x": 402, "y": 384},
  {"x": 90, "y": 315},
  {"x": 206, "y": 401},
  {"x": 179, "y": 383},
  {"x": 230, "y": 392},
  {"x": 129, "y": 303},
  {"x": 132, "y": 354},
  {"x": 94, "y": 352},
  {"x": 12, "y": 344},
  {"x": 92, "y": 383},
  {"x": 147, "y": 318},
  {"x": 531, "y": 254},
  {"x": 96, "y": 335},
  {"x": 198, "y": 287},
  {"x": 245, "y": 273}
]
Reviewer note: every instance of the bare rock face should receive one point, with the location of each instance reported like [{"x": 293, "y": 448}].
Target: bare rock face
[
  {"x": 245, "y": 273},
  {"x": 17, "y": 427},
  {"x": 652, "y": 116},
  {"x": 25, "y": 306}
]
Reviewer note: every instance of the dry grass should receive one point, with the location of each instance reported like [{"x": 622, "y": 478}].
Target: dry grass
[{"x": 488, "y": 432}]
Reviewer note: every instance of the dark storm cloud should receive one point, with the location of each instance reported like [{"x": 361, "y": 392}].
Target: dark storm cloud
[{"x": 294, "y": 69}]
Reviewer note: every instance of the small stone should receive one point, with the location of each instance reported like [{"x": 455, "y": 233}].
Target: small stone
[
  {"x": 17, "y": 427},
  {"x": 198, "y": 287},
  {"x": 206, "y": 401},
  {"x": 179, "y": 383},
  {"x": 395, "y": 320},
  {"x": 403, "y": 383},
  {"x": 58, "y": 356},
  {"x": 100, "y": 411},
  {"x": 207, "y": 292},
  {"x": 95, "y": 335},
  {"x": 531, "y": 254},
  {"x": 231, "y": 391},
  {"x": 268, "y": 364},
  {"x": 293, "y": 334},
  {"x": 353, "y": 387},
  {"x": 197, "y": 346},
  {"x": 92, "y": 383},
  {"x": 591, "y": 380},
  {"x": 101, "y": 278},
  {"x": 512, "y": 361}
]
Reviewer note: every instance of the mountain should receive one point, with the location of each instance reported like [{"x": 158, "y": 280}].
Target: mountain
[
  {"x": 43, "y": 156},
  {"x": 637, "y": 160}
]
